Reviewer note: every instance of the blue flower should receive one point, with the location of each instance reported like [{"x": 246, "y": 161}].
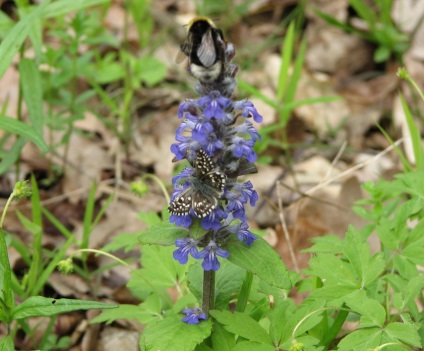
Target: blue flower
[
  {"x": 194, "y": 315},
  {"x": 243, "y": 233},
  {"x": 186, "y": 246},
  {"x": 209, "y": 254},
  {"x": 214, "y": 105},
  {"x": 248, "y": 110},
  {"x": 213, "y": 221},
  {"x": 242, "y": 147},
  {"x": 182, "y": 221}
]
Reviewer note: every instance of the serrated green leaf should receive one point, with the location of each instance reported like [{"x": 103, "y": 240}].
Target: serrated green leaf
[
  {"x": 242, "y": 325},
  {"x": 357, "y": 251},
  {"x": 173, "y": 334},
  {"x": 334, "y": 295},
  {"x": 371, "y": 311},
  {"x": 164, "y": 233},
  {"x": 261, "y": 260},
  {"x": 413, "y": 289},
  {"x": 403, "y": 332},
  {"x": 150, "y": 70},
  {"x": 362, "y": 339},
  {"x": 327, "y": 243},
  {"x": 333, "y": 271},
  {"x": 160, "y": 270},
  {"x": 251, "y": 345},
  {"x": 17, "y": 127},
  {"x": 37, "y": 306}
]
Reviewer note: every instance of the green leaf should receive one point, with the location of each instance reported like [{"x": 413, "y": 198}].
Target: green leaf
[
  {"x": 371, "y": 311},
  {"x": 126, "y": 241},
  {"x": 242, "y": 325},
  {"x": 160, "y": 270},
  {"x": 36, "y": 306},
  {"x": 415, "y": 135},
  {"x": 17, "y": 127},
  {"x": 222, "y": 339},
  {"x": 6, "y": 343},
  {"x": 362, "y": 339},
  {"x": 145, "y": 312},
  {"x": 261, "y": 260},
  {"x": 227, "y": 282},
  {"x": 62, "y": 7},
  {"x": 32, "y": 91},
  {"x": 149, "y": 218},
  {"x": 11, "y": 44},
  {"x": 333, "y": 270},
  {"x": 172, "y": 334},
  {"x": 358, "y": 253},
  {"x": 150, "y": 70},
  {"x": 164, "y": 233},
  {"x": 251, "y": 345},
  {"x": 327, "y": 243},
  {"x": 12, "y": 155},
  {"x": 6, "y": 290},
  {"x": 403, "y": 332}
]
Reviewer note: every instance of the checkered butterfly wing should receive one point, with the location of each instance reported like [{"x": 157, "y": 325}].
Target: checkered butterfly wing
[{"x": 205, "y": 188}]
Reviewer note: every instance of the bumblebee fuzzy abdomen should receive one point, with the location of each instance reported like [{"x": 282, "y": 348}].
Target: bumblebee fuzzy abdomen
[{"x": 204, "y": 74}]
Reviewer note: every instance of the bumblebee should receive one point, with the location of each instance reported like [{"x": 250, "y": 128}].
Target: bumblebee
[{"x": 205, "y": 48}]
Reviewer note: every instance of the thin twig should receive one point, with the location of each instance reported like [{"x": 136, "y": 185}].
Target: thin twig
[{"x": 285, "y": 230}]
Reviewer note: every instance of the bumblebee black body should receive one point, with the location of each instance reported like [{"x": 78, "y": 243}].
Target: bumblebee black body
[{"x": 205, "y": 49}]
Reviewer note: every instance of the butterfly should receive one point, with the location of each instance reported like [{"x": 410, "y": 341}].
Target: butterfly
[{"x": 206, "y": 187}]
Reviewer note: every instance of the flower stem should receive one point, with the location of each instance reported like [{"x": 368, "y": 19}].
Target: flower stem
[{"x": 208, "y": 291}]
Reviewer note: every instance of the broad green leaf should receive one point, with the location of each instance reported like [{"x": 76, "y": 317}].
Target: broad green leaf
[
  {"x": 413, "y": 290},
  {"x": 37, "y": 306},
  {"x": 251, "y": 345},
  {"x": 358, "y": 253},
  {"x": 334, "y": 295},
  {"x": 222, "y": 339},
  {"x": 261, "y": 260},
  {"x": 160, "y": 270},
  {"x": 371, "y": 311},
  {"x": 6, "y": 343},
  {"x": 361, "y": 340},
  {"x": 150, "y": 70},
  {"x": 333, "y": 271},
  {"x": 126, "y": 241},
  {"x": 327, "y": 243},
  {"x": 17, "y": 127},
  {"x": 149, "y": 218},
  {"x": 163, "y": 234},
  {"x": 172, "y": 334},
  {"x": 145, "y": 312},
  {"x": 406, "y": 333},
  {"x": 242, "y": 325},
  {"x": 228, "y": 280}
]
